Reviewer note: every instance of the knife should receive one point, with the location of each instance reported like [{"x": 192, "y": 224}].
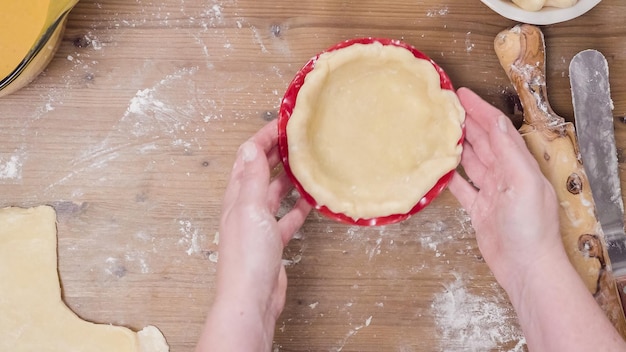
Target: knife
[{"x": 593, "y": 114}]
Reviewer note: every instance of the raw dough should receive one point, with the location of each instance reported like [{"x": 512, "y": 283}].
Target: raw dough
[
  {"x": 561, "y": 3},
  {"x": 536, "y": 5},
  {"x": 34, "y": 317},
  {"x": 372, "y": 131}
]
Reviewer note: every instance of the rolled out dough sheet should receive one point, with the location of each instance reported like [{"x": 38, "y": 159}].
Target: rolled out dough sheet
[{"x": 33, "y": 317}]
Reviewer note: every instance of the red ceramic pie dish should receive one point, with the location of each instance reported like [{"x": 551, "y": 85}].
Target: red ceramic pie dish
[{"x": 286, "y": 109}]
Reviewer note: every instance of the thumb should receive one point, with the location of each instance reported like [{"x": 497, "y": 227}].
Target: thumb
[{"x": 255, "y": 176}]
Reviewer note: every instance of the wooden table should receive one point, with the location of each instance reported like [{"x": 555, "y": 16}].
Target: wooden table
[{"x": 131, "y": 133}]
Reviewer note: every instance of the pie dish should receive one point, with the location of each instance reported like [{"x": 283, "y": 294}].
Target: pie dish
[{"x": 370, "y": 131}]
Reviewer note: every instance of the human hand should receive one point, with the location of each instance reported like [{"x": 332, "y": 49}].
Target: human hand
[
  {"x": 512, "y": 206},
  {"x": 251, "y": 280},
  {"x": 514, "y": 211}
]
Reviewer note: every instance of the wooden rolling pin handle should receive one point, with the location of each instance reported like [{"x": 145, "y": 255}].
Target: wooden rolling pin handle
[{"x": 521, "y": 51}]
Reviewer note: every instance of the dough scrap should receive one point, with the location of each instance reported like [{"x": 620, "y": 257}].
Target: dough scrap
[
  {"x": 372, "y": 131},
  {"x": 34, "y": 316},
  {"x": 536, "y": 5}
]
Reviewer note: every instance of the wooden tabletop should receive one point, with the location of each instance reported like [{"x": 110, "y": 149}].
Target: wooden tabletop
[{"x": 131, "y": 133}]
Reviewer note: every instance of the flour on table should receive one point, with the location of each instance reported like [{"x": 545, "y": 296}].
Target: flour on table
[
  {"x": 94, "y": 41},
  {"x": 353, "y": 331},
  {"x": 138, "y": 258},
  {"x": 214, "y": 12},
  {"x": 148, "y": 114},
  {"x": 135, "y": 258},
  {"x": 10, "y": 167},
  {"x": 191, "y": 237},
  {"x": 215, "y": 255},
  {"x": 258, "y": 39},
  {"x": 468, "y": 322},
  {"x": 441, "y": 11},
  {"x": 434, "y": 234},
  {"x": 437, "y": 237},
  {"x": 469, "y": 46}
]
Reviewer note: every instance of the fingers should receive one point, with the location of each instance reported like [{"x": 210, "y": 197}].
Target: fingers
[
  {"x": 267, "y": 137},
  {"x": 278, "y": 189},
  {"x": 232, "y": 188},
  {"x": 273, "y": 157},
  {"x": 293, "y": 220},
  {"x": 485, "y": 114},
  {"x": 250, "y": 181},
  {"x": 255, "y": 154},
  {"x": 464, "y": 192},
  {"x": 511, "y": 156},
  {"x": 478, "y": 138},
  {"x": 255, "y": 177},
  {"x": 473, "y": 166},
  {"x": 485, "y": 122}
]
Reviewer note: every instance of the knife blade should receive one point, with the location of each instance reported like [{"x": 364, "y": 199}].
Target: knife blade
[{"x": 593, "y": 114}]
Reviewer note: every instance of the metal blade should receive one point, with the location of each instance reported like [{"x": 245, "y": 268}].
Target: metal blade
[{"x": 589, "y": 78}]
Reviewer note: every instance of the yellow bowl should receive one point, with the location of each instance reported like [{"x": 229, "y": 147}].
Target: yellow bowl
[{"x": 33, "y": 51}]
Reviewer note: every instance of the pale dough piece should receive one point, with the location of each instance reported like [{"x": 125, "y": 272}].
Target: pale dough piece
[
  {"x": 561, "y": 3},
  {"x": 34, "y": 317},
  {"x": 536, "y": 5},
  {"x": 530, "y": 5},
  {"x": 372, "y": 131}
]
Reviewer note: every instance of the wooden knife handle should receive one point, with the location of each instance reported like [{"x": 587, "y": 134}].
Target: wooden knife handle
[{"x": 552, "y": 141}]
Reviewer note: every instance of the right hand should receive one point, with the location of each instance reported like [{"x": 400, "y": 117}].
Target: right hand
[{"x": 512, "y": 206}]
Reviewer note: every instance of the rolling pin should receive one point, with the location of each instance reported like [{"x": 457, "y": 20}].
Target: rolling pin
[{"x": 552, "y": 141}]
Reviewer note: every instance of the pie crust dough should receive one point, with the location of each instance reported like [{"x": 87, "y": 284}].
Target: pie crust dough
[
  {"x": 372, "y": 131},
  {"x": 34, "y": 317}
]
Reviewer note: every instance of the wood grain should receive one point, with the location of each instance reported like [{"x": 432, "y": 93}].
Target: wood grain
[{"x": 131, "y": 132}]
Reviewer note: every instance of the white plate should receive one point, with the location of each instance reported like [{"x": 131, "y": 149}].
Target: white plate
[{"x": 547, "y": 15}]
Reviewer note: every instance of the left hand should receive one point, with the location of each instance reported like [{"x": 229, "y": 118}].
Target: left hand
[{"x": 251, "y": 279}]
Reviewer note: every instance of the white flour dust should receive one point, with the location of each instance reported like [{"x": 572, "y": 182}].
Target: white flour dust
[
  {"x": 374, "y": 240},
  {"x": 469, "y": 322},
  {"x": 139, "y": 259},
  {"x": 258, "y": 39},
  {"x": 113, "y": 267},
  {"x": 191, "y": 237},
  {"x": 214, "y": 13},
  {"x": 353, "y": 331},
  {"x": 466, "y": 321},
  {"x": 148, "y": 113},
  {"x": 469, "y": 46},
  {"x": 215, "y": 255},
  {"x": 441, "y": 11},
  {"x": 11, "y": 167},
  {"x": 436, "y": 236},
  {"x": 82, "y": 68},
  {"x": 134, "y": 260},
  {"x": 134, "y": 257}
]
